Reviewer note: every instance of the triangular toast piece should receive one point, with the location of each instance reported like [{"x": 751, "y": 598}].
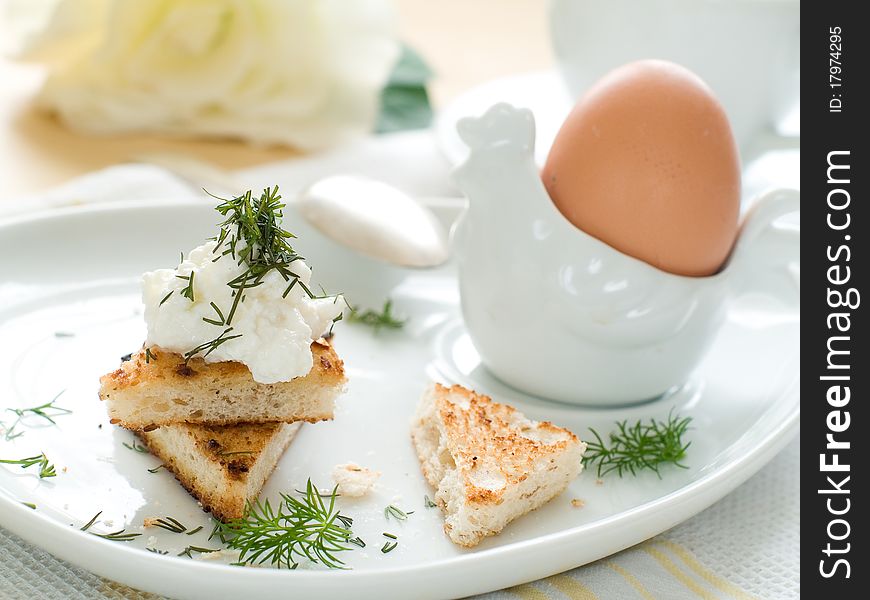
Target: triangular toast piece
[
  {"x": 223, "y": 467},
  {"x": 159, "y": 388},
  {"x": 489, "y": 463}
]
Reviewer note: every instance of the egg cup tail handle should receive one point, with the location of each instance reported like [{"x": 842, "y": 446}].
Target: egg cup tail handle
[{"x": 766, "y": 258}]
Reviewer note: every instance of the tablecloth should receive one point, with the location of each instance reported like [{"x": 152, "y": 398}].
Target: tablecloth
[{"x": 745, "y": 546}]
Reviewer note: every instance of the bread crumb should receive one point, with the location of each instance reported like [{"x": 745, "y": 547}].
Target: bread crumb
[
  {"x": 150, "y": 521},
  {"x": 599, "y": 482},
  {"x": 578, "y": 503},
  {"x": 353, "y": 480}
]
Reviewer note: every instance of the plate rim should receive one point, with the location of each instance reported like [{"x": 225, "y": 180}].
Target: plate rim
[{"x": 156, "y": 573}]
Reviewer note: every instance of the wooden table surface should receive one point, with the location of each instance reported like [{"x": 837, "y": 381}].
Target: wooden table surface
[{"x": 465, "y": 42}]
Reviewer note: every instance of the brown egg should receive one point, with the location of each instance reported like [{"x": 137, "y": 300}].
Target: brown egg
[{"x": 646, "y": 162}]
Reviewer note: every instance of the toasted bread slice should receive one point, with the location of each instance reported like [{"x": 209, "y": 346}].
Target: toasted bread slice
[
  {"x": 163, "y": 389},
  {"x": 223, "y": 467},
  {"x": 488, "y": 463}
]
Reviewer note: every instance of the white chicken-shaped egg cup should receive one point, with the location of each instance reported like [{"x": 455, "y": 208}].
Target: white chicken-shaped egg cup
[{"x": 557, "y": 313}]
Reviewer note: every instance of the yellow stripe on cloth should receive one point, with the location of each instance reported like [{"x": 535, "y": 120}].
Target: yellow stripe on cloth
[
  {"x": 633, "y": 581},
  {"x": 527, "y": 591},
  {"x": 721, "y": 584},
  {"x": 674, "y": 570},
  {"x": 571, "y": 587}
]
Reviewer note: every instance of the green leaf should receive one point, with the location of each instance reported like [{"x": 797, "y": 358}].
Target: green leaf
[{"x": 404, "y": 100}]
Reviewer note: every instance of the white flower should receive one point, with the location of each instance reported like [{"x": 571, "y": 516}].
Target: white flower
[{"x": 306, "y": 73}]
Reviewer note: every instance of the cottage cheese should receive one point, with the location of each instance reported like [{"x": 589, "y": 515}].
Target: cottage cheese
[{"x": 276, "y": 333}]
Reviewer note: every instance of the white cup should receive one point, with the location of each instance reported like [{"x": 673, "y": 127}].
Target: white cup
[{"x": 748, "y": 51}]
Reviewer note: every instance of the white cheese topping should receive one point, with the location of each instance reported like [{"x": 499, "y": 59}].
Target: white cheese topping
[{"x": 276, "y": 332}]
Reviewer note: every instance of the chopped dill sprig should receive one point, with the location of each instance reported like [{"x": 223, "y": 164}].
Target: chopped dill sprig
[
  {"x": 357, "y": 541},
  {"x": 44, "y": 411},
  {"x": 64, "y": 334},
  {"x": 640, "y": 446},
  {"x": 156, "y": 551},
  {"x": 307, "y": 526},
  {"x": 195, "y": 530},
  {"x": 157, "y": 468},
  {"x": 187, "y": 291},
  {"x": 93, "y": 520},
  {"x": 384, "y": 318},
  {"x": 149, "y": 356},
  {"x": 389, "y": 547},
  {"x": 46, "y": 469},
  {"x": 397, "y": 513},
  {"x": 116, "y": 536},
  {"x": 165, "y": 298},
  {"x": 9, "y": 432},
  {"x": 427, "y": 502},
  {"x": 217, "y": 530},
  {"x": 390, "y": 535},
  {"x": 169, "y": 524},
  {"x": 211, "y": 345},
  {"x": 220, "y": 321},
  {"x": 187, "y": 551},
  {"x": 30, "y": 505},
  {"x": 136, "y": 447}
]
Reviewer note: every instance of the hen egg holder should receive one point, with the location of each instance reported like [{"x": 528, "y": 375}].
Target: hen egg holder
[{"x": 557, "y": 313}]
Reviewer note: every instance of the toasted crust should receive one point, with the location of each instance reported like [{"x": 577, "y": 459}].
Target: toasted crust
[
  {"x": 488, "y": 462},
  {"x": 160, "y": 388},
  {"x": 224, "y": 467}
]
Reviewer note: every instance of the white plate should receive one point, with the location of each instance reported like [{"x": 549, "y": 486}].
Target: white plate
[{"x": 75, "y": 271}]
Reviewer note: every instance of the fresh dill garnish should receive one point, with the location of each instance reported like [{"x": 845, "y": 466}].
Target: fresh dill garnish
[
  {"x": 44, "y": 411},
  {"x": 427, "y": 502},
  {"x": 157, "y": 468},
  {"x": 397, "y": 513},
  {"x": 169, "y": 524},
  {"x": 298, "y": 527},
  {"x": 357, "y": 541},
  {"x": 93, "y": 520},
  {"x": 640, "y": 446},
  {"x": 149, "y": 356},
  {"x": 187, "y": 551},
  {"x": 211, "y": 345},
  {"x": 9, "y": 432},
  {"x": 165, "y": 298},
  {"x": 346, "y": 521},
  {"x": 192, "y": 531},
  {"x": 46, "y": 469},
  {"x": 64, "y": 334},
  {"x": 30, "y": 505},
  {"x": 220, "y": 321},
  {"x": 136, "y": 447},
  {"x": 390, "y": 535},
  {"x": 373, "y": 318},
  {"x": 389, "y": 547},
  {"x": 116, "y": 536},
  {"x": 217, "y": 530},
  {"x": 156, "y": 551},
  {"x": 187, "y": 291}
]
